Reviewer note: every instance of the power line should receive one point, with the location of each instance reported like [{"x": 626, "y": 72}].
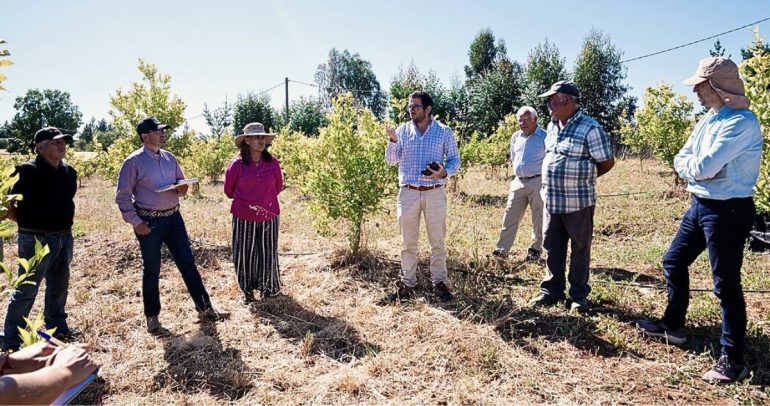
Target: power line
[
  {"x": 695, "y": 42},
  {"x": 256, "y": 94},
  {"x": 303, "y": 83}
]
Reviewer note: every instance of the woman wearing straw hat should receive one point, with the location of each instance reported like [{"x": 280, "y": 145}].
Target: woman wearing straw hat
[{"x": 253, "y": 180}]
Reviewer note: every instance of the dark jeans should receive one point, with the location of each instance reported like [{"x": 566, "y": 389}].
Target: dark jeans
[
  {"x": 55, "y": 269},
  {"x": 578, "y": 228},
  {"x": 172, "y": 232},
  {"x": 721, "y": 226}
]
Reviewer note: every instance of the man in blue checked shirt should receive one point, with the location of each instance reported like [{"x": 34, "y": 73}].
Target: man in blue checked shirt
[
  {"x": 577, "y": 152},
  {"x": 720, "y": 162},
  {"x": 414, "y": 146}
]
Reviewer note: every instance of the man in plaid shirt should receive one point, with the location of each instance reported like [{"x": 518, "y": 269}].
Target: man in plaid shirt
[
  {"x": 414, "y": 147},
  {"x": 577, "y": 152}
]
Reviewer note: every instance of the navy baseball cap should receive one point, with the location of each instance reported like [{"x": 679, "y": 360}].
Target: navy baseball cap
[
  {"x": 149, "y": 125},
  {"x": 563, "y": 86},
  {"x": 51, "y": 133}
]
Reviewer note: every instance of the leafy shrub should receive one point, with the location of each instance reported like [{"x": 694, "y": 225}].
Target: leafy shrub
[{"x": 346, "y": 176}]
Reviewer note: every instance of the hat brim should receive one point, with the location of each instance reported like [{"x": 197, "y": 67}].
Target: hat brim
[
  {"x": 694, "y": 80},
  {"x": 239, "y": 138},
  {"x": 66, "y": 137},
  {"x": 548, "y": 93}
]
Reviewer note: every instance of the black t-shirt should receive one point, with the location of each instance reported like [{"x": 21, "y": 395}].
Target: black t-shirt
[{"x": 48, "y": 195}]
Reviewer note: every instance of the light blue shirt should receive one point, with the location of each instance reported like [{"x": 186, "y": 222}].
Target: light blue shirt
[
  {"x": 720, "y": 160},
  {"x": 527, "y": 153},
  {"x": 414, "y": 151}
]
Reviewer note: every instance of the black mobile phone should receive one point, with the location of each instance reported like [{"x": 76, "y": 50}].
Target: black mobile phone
[{"x": 432, "y": 165}]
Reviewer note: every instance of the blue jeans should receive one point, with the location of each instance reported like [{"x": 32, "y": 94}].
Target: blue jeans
[
  {"x": 172, "y": 232},
  {"x": 55, "y": 268},
  {"x": 721, "y": 227}
]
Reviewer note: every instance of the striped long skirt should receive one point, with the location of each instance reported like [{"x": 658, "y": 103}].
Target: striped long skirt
[{"x": 255, "y": 255}]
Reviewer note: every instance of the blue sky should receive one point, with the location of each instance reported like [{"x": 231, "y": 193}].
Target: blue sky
[{"x": 214, "y": 49}]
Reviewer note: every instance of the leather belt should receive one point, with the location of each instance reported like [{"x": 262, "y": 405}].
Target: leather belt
[
  {"x": 422, "y": 188},
  {"x": 528, "y": 177},
  {"x": 142, "y": 212}
]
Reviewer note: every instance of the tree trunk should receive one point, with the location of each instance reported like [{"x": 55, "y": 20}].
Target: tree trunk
[{"x": 355, "y": 238}]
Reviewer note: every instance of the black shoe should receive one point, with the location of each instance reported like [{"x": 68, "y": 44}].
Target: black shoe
[
  {"x": 726, "y": 371},
  {"x": 533, "y": 255},
  {"x": 443, "y": 293},
  {"x": 499, "y": 253},
  {"x": 578, "y": 306},
  {"x": 402, "y": 292},
  {"x": 544, "y": 300},
  {"x": 658, "y": 329},
  {"x": 69, "y": 335}
]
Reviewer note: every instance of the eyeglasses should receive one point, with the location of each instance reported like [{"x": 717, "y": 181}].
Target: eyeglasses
[{"x": 414, "y": 106}]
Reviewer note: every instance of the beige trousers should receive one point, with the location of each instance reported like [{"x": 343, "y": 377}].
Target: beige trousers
[
  {"x": 432, "y": 204},
  {"x": 522, "y": 193}
]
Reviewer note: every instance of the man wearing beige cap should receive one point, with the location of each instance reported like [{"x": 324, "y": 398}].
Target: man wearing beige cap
[{"x": 720, "y": 163}]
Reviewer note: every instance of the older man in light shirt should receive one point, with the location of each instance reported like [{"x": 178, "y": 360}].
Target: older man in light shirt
[
  {"x": 527, "y": 153},
  {"x": 720, "y": 162}
]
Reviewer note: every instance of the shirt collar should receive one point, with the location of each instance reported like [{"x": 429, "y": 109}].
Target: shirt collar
[
  {"x": 152, "y": 154},
  {"x": 427, "y": 129},
  {"x": 39, "y": 160},
  {"x": 577, "y": 114}
]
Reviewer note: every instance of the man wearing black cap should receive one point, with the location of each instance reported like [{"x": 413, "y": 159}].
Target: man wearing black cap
[
  {"x": 45, "y": 214},
  {"x": 156, "y": 219},
  {"x": 577, "y": 152}
]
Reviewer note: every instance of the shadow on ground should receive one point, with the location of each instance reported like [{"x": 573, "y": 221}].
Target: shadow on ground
[
  {"x": 315, "y": 334},
  {"x": 622, "y": 275},
  {"x": 198, "y": 362},
  {"x": 484, "y": 200},
  {"x": 484, "y": 294}
]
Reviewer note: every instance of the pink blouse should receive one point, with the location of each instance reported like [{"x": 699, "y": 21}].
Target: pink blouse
[{"x": 254, "y": 189}]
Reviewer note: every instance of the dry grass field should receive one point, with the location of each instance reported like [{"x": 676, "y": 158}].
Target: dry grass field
[{"x": 327, "y": 341}]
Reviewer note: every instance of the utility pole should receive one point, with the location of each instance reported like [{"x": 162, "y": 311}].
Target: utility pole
[{"x": 287, "y": 100}]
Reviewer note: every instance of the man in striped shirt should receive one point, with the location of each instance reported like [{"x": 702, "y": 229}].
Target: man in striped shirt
[
  {"x": 426, "y": 154},
  {"x": 577, "y": 152}
]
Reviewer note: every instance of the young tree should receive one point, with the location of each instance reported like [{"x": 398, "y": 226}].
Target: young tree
[
  {"x": 3, "y": 63},
  {"x": 718, "y": 50},
  {"x": 494, "y": 83},
  {"x": 150, "y": 97},
  {"x": 484, "y": 52},
  {"x": 409, "y": 80},
  {"x": 37, "y": 109},
  {"x": 252, "y": 107},
  {"x": 348, "y": 72},
  {"x": 352, "y": 179},
  {"x": 208, "y": 158},
  {"x": 219, "y": 119},
  {"x": 600, "y": 75},
  {"x": 756, "y": 74},
  {"x": 663, "y": 124},
  {"x": 307, "y": 116},
  {"x": 545, "y": 66},
  {"x": 494, "y": 95}
]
